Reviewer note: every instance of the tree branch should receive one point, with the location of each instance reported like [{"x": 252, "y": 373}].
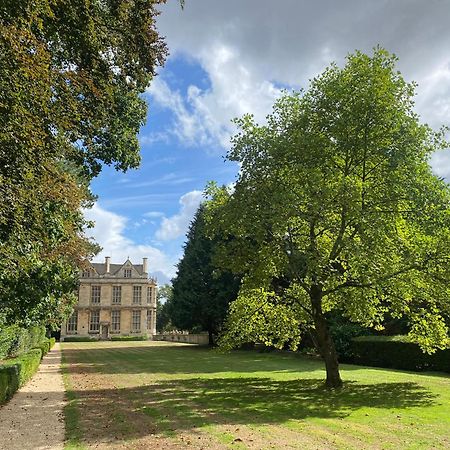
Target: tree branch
[{"x": 354, "y": 283}]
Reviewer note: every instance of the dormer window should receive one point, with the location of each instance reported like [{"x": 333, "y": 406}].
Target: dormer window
[
  {"x": 127, "y": 273},
  {"x": 85, "y": 274}
]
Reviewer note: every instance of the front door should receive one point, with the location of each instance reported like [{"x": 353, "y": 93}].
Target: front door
[{"x": 105, "y": 331}]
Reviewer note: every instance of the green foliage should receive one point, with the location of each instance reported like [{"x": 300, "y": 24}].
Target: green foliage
[
  {"x": 336, "y": 208},
  {"x": 28, "y": 364},
  {"x": 14, "y": 373},
  {"x": 71, "y": 78},
  {"x": 163, "y": 302},
  {"x": 15, "y": 340},
  {"x": 343, "y": 332},
  {"x": 9, "y": 382},
  {"x": 398, "y": 352},
  {"x": 43, "y": 346},
  {"x": 201, "y": 292},
  {"x": 73, "y": 73},
  {"x": 259, "y": 316},
  {"x": 20, "y": 344},
  {"x": 8, "y": 337},
  {"x": 79, "y": 339},
  {"x": 129, "y": 338},
  {"x": 37, "y": 335},
  {"x": 52, "y": 342}
]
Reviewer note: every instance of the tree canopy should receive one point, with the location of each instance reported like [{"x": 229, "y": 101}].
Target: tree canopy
[
  {"x": 336, "y": 207},
  {"x": 201, "y": 292},
  {"x": 71, "y": 75}
]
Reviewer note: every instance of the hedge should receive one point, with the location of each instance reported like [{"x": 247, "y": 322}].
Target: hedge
[
  {"x": 14, "y": 373},
  {"x": 15, "y": 341},
  {"x": 52, "y": 341},
  {"x": 397, "y": 352},
  {"x": 79, "y": 339},
  {"x": 129, "y": 338},
  {"x": 44, "y": 346}
]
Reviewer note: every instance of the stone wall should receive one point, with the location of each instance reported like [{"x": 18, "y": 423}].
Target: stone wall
[{"x": 200, "y": 339}]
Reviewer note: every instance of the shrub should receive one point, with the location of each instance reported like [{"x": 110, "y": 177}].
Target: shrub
[
  {"x": 52, "y": 341},
  {"x": 15, "y": 341},
  {"x": 129, "y": 338},
  {"x": 14, "y": 373},
  {"x": 397, "y": 352},
  {"x": 20, "y": 344},
  {"x": 9, "y": 382},
  {"x": 79, "y": 339},
  {"x": 44, "y": 346},
  {"x": 343, "y": 333},
  {"x": 7, "y": 337},
  {"x": 37, "y": 335}
]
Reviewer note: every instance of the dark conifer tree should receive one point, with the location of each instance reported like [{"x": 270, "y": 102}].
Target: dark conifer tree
[{"x": 201, "y": 292}]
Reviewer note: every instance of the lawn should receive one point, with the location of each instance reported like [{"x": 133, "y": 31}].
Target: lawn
[{"x": 139, "y": 395}]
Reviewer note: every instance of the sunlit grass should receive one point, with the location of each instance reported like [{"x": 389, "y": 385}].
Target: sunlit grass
[{"x": 249, "y": 399}]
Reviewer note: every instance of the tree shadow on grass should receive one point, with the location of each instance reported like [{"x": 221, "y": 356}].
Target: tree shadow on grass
[{"x": 186, "y": 405}]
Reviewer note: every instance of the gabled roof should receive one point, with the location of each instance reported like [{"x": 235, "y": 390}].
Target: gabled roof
[{"x": 100, "y": 268}]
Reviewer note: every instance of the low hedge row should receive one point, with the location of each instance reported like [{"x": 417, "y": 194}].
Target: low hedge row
[
  {"x": 129, "y": 338},
  {"x": 44, "y": 346},
  {"x": 15, "y": 372},
  {"x": 397, "y": 352},
  {"x": 79, "y": 339},
  {"x": 52, "y": 341}
]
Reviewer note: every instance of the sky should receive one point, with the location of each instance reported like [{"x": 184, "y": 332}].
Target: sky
[{"x": 229, "y": 58}]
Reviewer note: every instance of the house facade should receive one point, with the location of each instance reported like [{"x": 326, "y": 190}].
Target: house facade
[{"x": 114, "y": 300}]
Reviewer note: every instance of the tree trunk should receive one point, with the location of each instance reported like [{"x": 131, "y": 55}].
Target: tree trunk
[
  {"x": 324, "y": 343},
  {"x": 211, "y": 338}
]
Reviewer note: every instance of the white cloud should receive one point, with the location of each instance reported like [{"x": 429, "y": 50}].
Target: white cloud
[
  {"x": 153, "y": 214},
  {"x": 140, "y": 200},
  {"x": 433, "y": 100},
  {"x": 177, "y": 225},
  {"x": 109, "y": 233},
  {"x": 249, "y": 49},
  {"x": 153, "y": 138},
  {"x": 169, "y": 179},
  {"x": 204, "y": 116}
]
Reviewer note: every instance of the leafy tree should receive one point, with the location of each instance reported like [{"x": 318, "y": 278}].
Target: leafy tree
[
  {"x": 163, "y": 303},
  {"x": 336, "y": 208},
  {"x": 71, "y": 75},
  {"x": 201, "y": 293}
]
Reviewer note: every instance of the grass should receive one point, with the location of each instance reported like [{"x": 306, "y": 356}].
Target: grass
[
  {"x": 144, "y": 394},
  {"x": 71, "y": 412}
]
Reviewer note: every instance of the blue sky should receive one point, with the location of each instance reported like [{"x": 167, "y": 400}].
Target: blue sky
[
  {"x": 146, "y": 212},
  {"x": 234, "y": 57}
]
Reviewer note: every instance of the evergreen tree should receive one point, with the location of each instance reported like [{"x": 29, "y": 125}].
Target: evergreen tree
[{"x": 201, "y": 292}]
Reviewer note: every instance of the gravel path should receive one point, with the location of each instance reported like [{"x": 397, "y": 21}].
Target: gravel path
[{"x": 33, "y": 418}]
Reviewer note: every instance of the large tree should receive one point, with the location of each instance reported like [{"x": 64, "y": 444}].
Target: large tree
[
  {"x": 71, "y": 75},
  {"x": 201, "y": 292},
  {"x": 336, "y": 208}
]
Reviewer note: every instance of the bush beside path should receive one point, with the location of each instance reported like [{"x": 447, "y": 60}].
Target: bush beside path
[{"x": 33, "y": 418}]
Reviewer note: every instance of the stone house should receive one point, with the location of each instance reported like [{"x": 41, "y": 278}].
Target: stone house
[{"x": 114, "y": 300}]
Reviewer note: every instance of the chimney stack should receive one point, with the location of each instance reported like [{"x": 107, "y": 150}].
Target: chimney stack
[
  {"x": 107, "y": 264},
  {"x": 145, "y": 265}
]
